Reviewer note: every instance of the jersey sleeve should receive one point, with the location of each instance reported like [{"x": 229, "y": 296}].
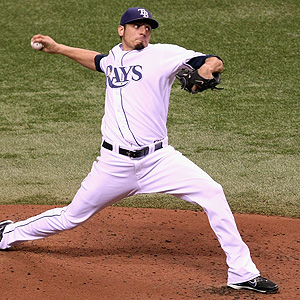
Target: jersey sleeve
[
  {"x": 175, "y": 57},
  {"x": 198, "y": 61},
  {"x": 97, "y": 60}
]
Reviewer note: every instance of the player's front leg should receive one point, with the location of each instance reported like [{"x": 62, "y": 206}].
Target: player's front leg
[{"x": 107, "y": 183}]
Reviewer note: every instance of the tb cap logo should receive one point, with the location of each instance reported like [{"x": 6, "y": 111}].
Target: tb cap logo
[{"x": 143, "y": 12}]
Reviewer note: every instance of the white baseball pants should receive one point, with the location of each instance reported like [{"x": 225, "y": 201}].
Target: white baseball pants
[{"x": 114, "y": 177}]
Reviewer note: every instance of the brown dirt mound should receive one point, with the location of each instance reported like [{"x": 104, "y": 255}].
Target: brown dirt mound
[{"x": 134, "y": 253}]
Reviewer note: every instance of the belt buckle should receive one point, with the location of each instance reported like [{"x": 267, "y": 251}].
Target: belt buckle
[
  {"x": 132, "y": 154},
  {"x": 138, "y": 153}
]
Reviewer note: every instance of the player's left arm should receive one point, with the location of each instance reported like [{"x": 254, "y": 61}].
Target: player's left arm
[
  {"x": 211, "y": 65},
  {"x": 205, "y": 74}
]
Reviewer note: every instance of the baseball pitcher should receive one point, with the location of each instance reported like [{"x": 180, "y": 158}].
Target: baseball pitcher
[{"x": 135, "y": 156}]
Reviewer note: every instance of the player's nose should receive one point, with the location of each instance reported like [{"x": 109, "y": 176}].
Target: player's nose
[{"x": 143, "y": 29}]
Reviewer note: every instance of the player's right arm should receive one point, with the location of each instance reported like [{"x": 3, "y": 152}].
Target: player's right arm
[{"x": 82, "y": 56}]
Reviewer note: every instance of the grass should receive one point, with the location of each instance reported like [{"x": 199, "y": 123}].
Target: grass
[{"x": 246, "y": 136}]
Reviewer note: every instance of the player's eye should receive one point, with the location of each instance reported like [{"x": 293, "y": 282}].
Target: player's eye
[{"x": 147, "y": 27}]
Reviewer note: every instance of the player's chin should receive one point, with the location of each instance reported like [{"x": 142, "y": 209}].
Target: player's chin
[{"x": 140, "y": 46}]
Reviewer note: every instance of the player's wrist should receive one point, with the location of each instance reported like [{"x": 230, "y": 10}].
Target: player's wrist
[
  {"x": 62, "y": 49},
  {"x": 206, "y": 72}
]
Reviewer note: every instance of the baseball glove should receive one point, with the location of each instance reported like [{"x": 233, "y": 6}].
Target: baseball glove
[{"x": 190, "y": 78}]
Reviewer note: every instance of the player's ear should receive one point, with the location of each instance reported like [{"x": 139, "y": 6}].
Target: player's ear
[{"x": 121, "y": 30}]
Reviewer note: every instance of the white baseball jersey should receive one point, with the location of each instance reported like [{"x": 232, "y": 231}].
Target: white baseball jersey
[{"x": 138, "y": 90}]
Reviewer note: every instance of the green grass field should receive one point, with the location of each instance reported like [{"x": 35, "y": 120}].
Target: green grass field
[{"x": 246, "y": 136}]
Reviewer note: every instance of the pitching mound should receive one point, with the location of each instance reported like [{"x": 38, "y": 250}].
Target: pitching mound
[{"x": 134, "y": 253}]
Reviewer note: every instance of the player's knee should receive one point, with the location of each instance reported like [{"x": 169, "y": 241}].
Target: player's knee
[
  {"x": 216, "y": 189},
  {"x": 69, "y": 223},
  {"x": 211, "y": 190}
]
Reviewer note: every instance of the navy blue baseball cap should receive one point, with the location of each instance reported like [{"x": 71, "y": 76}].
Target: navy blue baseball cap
[{"x": 135, "y": 14}]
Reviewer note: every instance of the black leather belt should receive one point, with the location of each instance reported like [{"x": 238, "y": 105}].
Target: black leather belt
[{"x": 133, "y": 154}]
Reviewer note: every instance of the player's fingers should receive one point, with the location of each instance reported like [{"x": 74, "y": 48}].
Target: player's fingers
[
  {"x": 37, "y": 38},
  {"x": 44, "y": 39},
  {"x": 195, "y": 89}
]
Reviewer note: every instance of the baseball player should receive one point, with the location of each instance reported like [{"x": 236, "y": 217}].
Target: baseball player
[{"x": 135, "y": 155}]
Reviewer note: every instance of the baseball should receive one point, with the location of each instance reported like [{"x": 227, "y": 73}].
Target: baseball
[{"x": 36, "y": 46}]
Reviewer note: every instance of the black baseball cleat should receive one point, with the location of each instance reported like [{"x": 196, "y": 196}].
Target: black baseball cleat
[
  {"x": 258, "y": 284},
  {"x": 3, "y": 224}
]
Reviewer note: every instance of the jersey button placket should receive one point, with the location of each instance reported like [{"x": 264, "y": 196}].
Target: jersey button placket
[{"x": 120, "y": 116}]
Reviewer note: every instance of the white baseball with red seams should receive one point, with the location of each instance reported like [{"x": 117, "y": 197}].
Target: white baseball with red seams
[{"x": 36, "y": 45}]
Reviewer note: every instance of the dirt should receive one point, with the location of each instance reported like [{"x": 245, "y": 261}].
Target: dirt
[{"x": 136, "y": 253}]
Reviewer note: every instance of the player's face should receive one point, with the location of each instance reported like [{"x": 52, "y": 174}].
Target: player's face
[{"x": 135, "y": 36}]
